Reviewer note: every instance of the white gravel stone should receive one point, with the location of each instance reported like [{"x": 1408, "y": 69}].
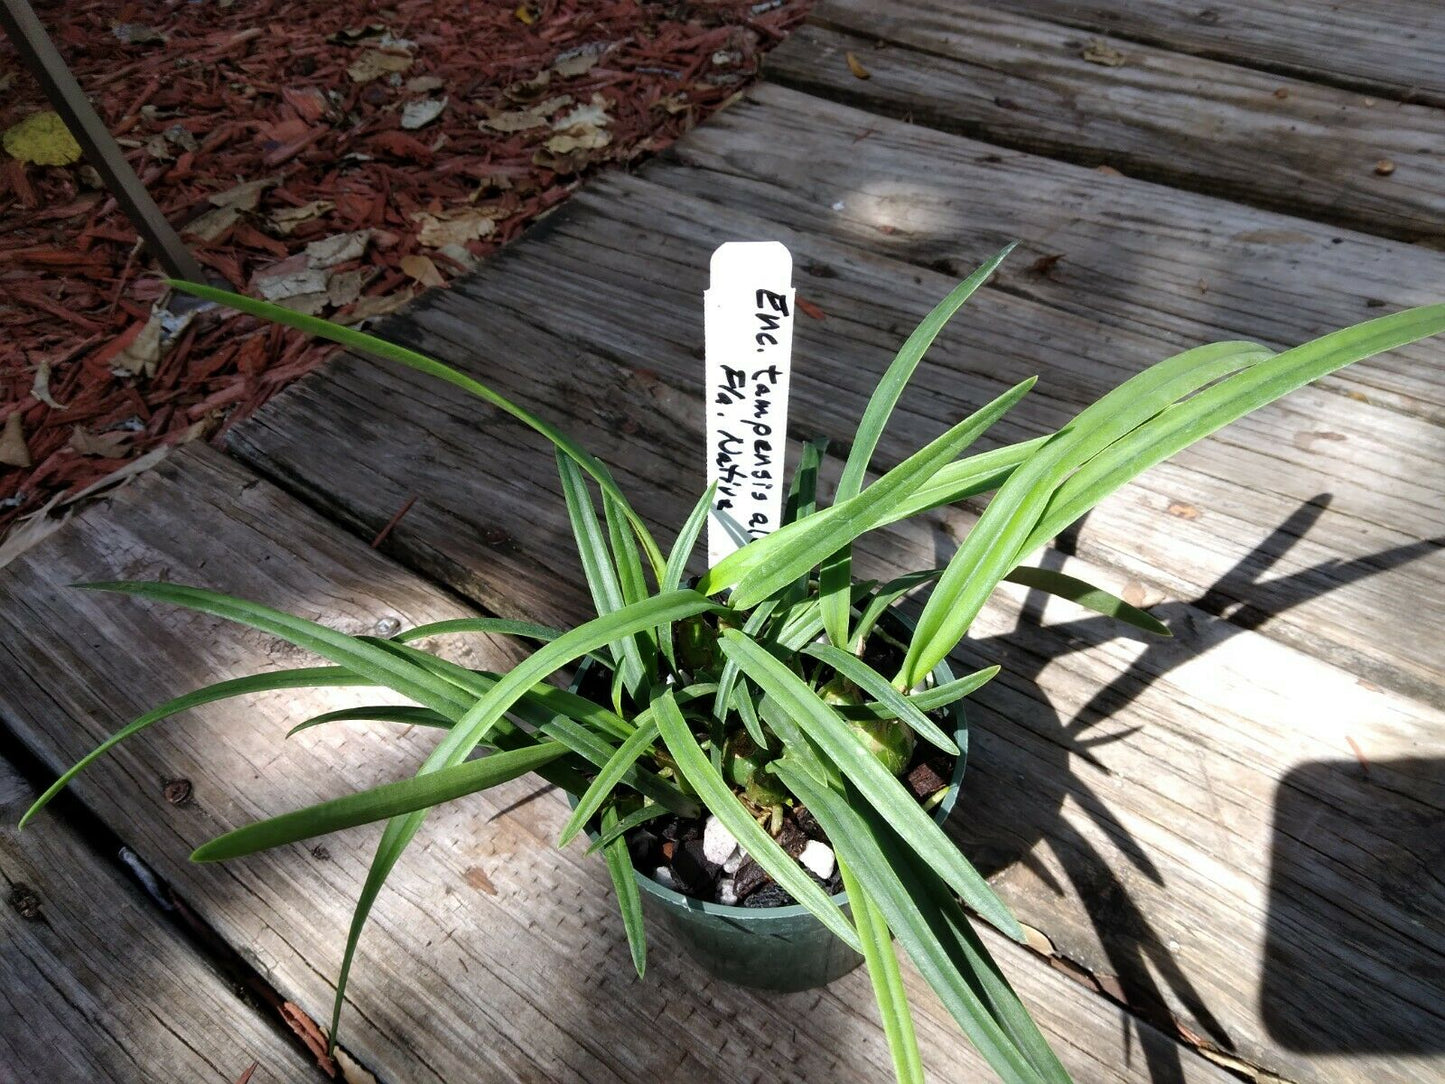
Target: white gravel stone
[
  {"x": 735, "y": 863},
  {"x": 727, "y": 892},
  {"x": 818, "y": 857},
  {"x": 718, "y": 844},
  {"x": 663, "y": 876}
]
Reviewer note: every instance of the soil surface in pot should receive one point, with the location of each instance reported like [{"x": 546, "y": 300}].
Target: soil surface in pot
[{"x": 673, "y": 851}]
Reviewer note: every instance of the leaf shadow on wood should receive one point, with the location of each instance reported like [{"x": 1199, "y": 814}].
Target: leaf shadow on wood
[{"x": 1145, "y": 973}]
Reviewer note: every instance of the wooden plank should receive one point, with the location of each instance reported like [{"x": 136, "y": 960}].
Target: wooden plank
[
  {"x": 1202, "y": 125},
  {"x": 1132, "y": 254},
  {"x": 1396, "y": 50},
  {"x": 490, "y": 955},
  {"x": 573, "y": 341},
  {"x": 95, "y": 985}
]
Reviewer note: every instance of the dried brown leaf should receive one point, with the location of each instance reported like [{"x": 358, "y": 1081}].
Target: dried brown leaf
[
  {"x": 287, "y": 219},
  {"x": 1099, "y": 51},
  {"x": 455, "y": 228},
  {"x": 419, "y": 114},
  {"x": 375, "y": 63},
  {"x": 422, "y": 269},
  {"x": 370, "y": 307},
  {"x": 40, "y": 388},
  {"x": 112, "y": 445},
  {"x": 13, "y": 451},
  {"x": 143, "y": 353},
  {"x": 516, "y": 120},
  {"x": 338, "y": 248},
  {"x": 42, "y": 139}
]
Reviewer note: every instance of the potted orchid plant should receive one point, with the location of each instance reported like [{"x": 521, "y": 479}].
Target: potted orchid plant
[{"x": 766, "y": 753}]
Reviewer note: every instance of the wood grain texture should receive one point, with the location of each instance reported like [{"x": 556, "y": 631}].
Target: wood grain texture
[
  {"x": 1132, "y": 254},
  {"x": 490, "y": 955},
  {"x": 96, "y": 985},
  {"x": 576, "y": 343},
  {"x": 1395, "y": 48},
  {"x": 1196, "y": 124}
]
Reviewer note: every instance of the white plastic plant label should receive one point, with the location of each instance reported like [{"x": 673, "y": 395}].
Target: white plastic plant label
[{"x": 748, "y": 326}]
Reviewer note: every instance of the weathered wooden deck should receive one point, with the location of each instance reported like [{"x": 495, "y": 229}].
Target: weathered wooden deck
[{"x": 1230, "y": 844}]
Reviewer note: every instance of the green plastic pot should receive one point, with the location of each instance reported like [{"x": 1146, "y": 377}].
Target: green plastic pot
[{"x": 774, "y": 948}]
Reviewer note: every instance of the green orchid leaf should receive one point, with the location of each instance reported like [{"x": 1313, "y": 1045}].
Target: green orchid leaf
[
  {"x": 597, "y": 568},
  {"x": 498, "y": 626},
  {"x": 650, "y": 811},
  {"x": 887, "y": 980},
  {"x": 1088, "y": 596},
  {"x": 682, "y": 548},
  {"x": 369, "y": 344},
  {"x": 988, "y": 552},
  {"x": 837, "y": 571},
  {"x": 608, "y": 778},
  {"x": 876, "y": 685},
  {"x": 767, "y": 564},
  {"x": 311, "y": 677},
  {"x": 723, "y": 804},
  {"x": 377, "y": 713},
  {"x": 828, "y": 731},
  {"x": 378, "y": 803},
  {"x": 629, "y": 898},
  {"x": 886, "y": 872},
  {"x": 1213, "y": 408}
]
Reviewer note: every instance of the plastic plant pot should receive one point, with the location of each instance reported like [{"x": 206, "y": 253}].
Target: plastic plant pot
[{"x": 776, "y": 948}]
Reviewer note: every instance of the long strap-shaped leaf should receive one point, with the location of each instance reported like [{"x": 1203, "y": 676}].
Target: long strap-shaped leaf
[
  {"x": 310, "y": 677},
  {"x": 887, "y": 980},
  {"x": 827, "y": 730},
  {"x": 1213, "y": 408},
  {"x": 370, "y": 344},
  {"x": 875, "y": 684},
  {"x": 760, "y": 568},
  {"x": 677, "y": 559},
  {"x": 377, "y": 713},
  {"x": 473, "y": 727},
  {"x": 930, "y": 699},
  {"x": 500, "y": 626},
  {"x": 921, "y": 929},
  {"x": 610, "y": 775},
  {"x": 598, "y": 568},
  {"x": 362, "y": 658},
  {"x": 572, "y": 720},
  {"x": 723, "y": 804},
  {"x": 378, "y": 803},
  {"x": 1088, "y": 596},
  {"x": 968, "y": 477},
  {"x": 989, "y": 550},
  {"x": 837, "y": 574},
  {"x": 624, "y": 883}
]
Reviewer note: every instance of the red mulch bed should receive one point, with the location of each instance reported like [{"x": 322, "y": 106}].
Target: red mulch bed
[{"x": 311, "y": 101}]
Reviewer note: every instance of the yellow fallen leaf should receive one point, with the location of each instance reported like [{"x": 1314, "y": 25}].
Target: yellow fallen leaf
[
  {"x": 42, "y": 139},
  {"x": 374, "y": 63},
  {"x": 856, "y": 67},
  {"x": 525, "y": 14},
  {"x": 423, "y": 270},
  {"x": 1099, "y": 51}
]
